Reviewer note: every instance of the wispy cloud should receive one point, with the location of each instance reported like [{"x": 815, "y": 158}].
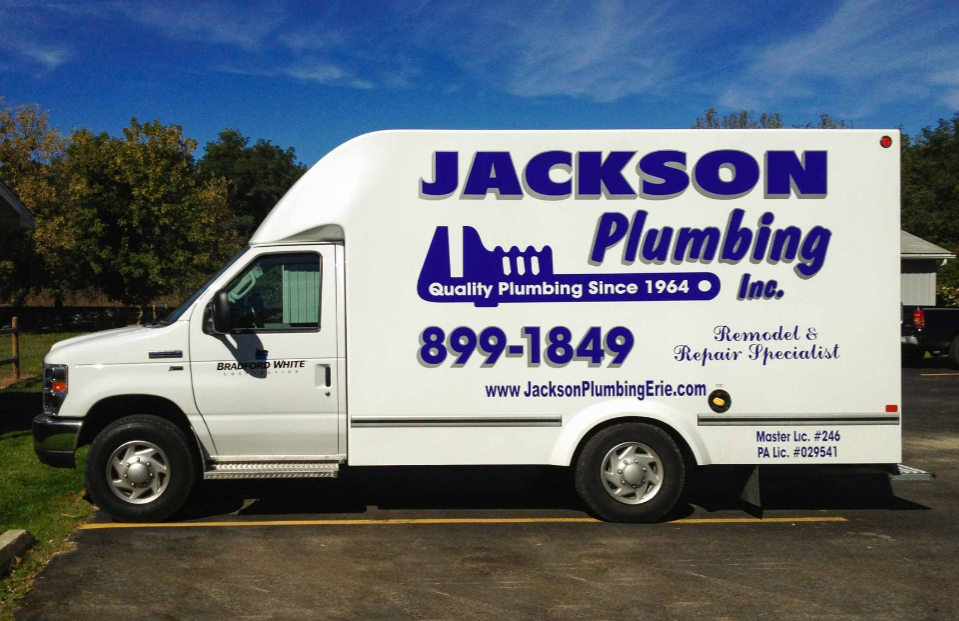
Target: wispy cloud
[
  {"x": 328, "y": 74},
  {"x": 210, "y": 22},
  {"x": 28, "y": 44},
  {"x": 318, "y": 37},
  {"x": 949, "y": 80},
  {"x": 323, "y": 73},
  {"x": 48, "y": 56},
  {"x": 850, "y": 59},
  {"x": 866, "y": 53},
  {"x": 602, "y": 50},
  {"x": 207, "y": 21}
]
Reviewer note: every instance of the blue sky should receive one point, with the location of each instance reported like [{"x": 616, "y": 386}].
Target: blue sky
[{"x": 312, "y": 75}]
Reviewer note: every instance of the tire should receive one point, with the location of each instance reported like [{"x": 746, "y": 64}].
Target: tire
[
  {"x": 654, "y": 449},
  {"x": 160, "y": 494},
  {"x": 954, "y": 352}
]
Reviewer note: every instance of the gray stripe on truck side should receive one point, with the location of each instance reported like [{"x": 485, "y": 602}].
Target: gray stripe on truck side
[
  {"x": 785, "y": 420},
  {"x": 457, "y": 421}
]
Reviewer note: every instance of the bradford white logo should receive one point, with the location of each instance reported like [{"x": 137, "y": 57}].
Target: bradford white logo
[{"x": 261, "y": 368}]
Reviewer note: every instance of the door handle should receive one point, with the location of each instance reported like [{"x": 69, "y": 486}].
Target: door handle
[{"x": 324, "y": 377}]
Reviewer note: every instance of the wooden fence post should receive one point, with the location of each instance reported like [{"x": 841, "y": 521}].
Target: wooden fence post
[{"x": 16, "y": 349}]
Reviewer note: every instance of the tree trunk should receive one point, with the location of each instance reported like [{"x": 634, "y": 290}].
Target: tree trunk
[
  {"x": 62, "y": 315},
  {"x": 20, "y": 298}
]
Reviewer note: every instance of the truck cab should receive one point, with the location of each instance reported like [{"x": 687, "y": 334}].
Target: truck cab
[{"x": 244, "y": 380}]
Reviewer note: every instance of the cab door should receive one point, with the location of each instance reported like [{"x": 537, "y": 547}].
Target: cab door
[{"x": 269, "y": 388}]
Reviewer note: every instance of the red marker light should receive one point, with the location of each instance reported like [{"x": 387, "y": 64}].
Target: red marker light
[
  {"x": 886, "y": 142},
  {"x": 892, "y": 408}
]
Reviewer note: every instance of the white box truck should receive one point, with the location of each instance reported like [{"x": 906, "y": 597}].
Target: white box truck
[{"x": 630, "y": 304}]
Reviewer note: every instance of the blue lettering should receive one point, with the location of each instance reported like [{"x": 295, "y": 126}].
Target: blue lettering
[
  {"x": 785, "y": 244},
  {"x": 609, "y": 232},
  {"x": 492, "y": 170},
  {"x": 762, "y": 236},
  {"x": 737, "y": 239},
  {"x": 445, "y": 175},
  {"x": 669, "y": 167},
  {"x": 662, "y": 174},
  {"x": 595, "y": 173},
  {"x": 813, "y": 251},
  {"x": 657, "y": 253},
  {"x": 537, "y": 174},
  {"x": 785, "y": 171},
  {"x": 745, "y": 174},
  {"x": 635, "y": 231}
]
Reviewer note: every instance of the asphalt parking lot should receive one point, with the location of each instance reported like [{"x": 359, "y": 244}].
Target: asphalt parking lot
[{"x": 515, "y": 543}]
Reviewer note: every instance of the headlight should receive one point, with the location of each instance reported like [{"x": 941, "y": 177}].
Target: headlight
[{"x": 54, "y": 387}]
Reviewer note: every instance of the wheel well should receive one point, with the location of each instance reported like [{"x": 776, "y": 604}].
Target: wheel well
[
  {"x": 112, "y": 409},
  {"x": 688, "y": 457}
]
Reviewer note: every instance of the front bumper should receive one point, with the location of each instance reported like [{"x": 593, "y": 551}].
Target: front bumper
[{"x": 55, "y": 440}]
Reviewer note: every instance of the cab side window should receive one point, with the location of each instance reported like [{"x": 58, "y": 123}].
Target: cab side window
[{"x": 277, "y": 292}]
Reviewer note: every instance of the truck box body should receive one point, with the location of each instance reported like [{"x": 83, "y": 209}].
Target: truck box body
[{"x": 762, "y": 264}]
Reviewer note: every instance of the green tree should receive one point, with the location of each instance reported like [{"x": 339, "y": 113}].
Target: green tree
[
  {"x": 30, "y": 155},
  {"x": 743, "y": 119},
  {"x": 930, "y": 189},
  {"x": 256, "y": 176},
  {"x": 827, "y": 122},
  {"x": 143, "y": 225},
  {"x": 747, "y": 119}
]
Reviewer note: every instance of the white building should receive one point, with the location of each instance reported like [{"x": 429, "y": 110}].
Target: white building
[
  {"x": 918, "y": 262},
  {"x": 13, "y": 214}
]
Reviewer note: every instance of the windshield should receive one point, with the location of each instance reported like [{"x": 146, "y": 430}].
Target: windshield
[{"x": 183, "y": 307}]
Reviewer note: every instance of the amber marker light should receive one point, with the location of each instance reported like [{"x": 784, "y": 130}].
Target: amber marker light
[
  {"x": 719, "y": 401},
  {"x": 58, "y": 386}
]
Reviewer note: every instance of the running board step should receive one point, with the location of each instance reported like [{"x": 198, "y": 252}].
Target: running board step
[
  {"x": 902, "y": 472},
  {"x": 272, "y": 470}
]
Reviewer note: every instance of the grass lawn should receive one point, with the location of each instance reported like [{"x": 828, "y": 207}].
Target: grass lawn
[{"x": 48, "y": 502}]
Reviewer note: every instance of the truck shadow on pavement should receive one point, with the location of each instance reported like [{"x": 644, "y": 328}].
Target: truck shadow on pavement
[
  {"x": 931, "y": 364},
  {"x": 518, "y": 491}
]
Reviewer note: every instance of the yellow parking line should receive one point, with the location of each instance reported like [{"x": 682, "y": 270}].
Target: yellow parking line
[
  {"x": 771, "y": 520},
  {"x": 938, "y": 374},
  {"x": 583, "y": 520}
]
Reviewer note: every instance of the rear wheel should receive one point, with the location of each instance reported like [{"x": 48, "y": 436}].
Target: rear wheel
[
  {"x": 954, "y": 352},
  {"x": 631, "y": 472},
  {"x": 140, "y": 468}
]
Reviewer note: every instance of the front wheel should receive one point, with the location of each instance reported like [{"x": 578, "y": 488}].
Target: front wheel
[
  {"x": 140, "y": 469},
  {"x": 631, "y": 472}
]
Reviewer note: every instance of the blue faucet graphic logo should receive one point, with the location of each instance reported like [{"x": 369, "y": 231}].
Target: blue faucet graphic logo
[{"x": 498, "y": 276}]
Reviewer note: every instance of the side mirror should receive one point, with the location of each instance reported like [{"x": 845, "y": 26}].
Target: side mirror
[{"x": 222, "y": 319}]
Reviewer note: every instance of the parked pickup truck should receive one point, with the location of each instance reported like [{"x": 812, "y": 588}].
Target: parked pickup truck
[{"x": 933, "y": 329}]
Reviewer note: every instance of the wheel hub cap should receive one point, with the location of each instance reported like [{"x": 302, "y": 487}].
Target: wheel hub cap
[
  {"x": 138, "y": 472},
  {"x": 632, "y": 473}
]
